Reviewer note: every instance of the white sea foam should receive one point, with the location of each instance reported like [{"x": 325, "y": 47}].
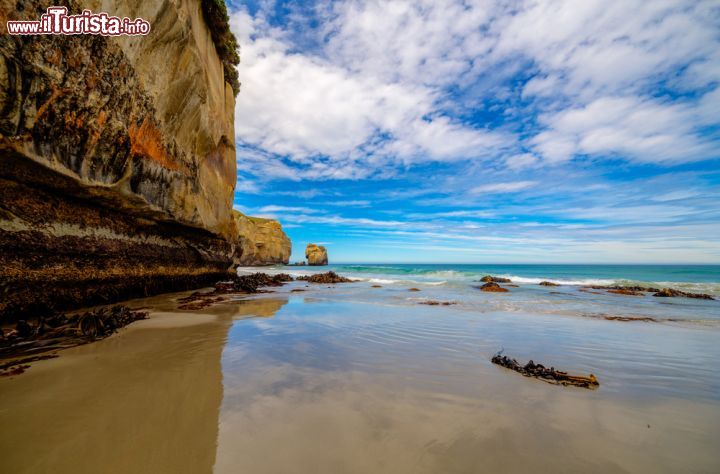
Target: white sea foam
[
  {"x": 382, "y": 280},
  {"x": 559, "y": 281}
]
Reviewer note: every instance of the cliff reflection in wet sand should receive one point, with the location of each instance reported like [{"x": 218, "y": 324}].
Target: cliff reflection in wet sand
[{"x": 145, "y": 400}]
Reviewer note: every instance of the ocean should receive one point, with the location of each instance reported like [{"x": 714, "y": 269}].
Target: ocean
[{"x": 572, "y": 298}]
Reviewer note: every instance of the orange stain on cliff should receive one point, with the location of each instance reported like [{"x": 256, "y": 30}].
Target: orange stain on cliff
[
  {"x": 56, "y": 91},
  {"x": 146, "y": 140},
  {"x": 99, "y": 123}
]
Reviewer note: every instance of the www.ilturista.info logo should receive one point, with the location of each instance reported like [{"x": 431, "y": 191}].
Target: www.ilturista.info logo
[{"x": 57, "y": 22}]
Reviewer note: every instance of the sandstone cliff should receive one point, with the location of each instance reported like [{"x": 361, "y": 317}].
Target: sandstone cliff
[
  {"x": 117, "y": 160},
  {"x": 316, "y": 254},
  {"x": 261, "y": 241}
]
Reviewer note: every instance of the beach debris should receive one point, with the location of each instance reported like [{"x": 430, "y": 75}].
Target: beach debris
[
  {"x": 631, "y": 318},
  {"x": 247, "y": 284},
  {"x": 376, "y": 286},
  {"x": 548, "y": 283},
  {"x": 626, "y": 292},
  {"x": 297, "y": 290},
  {"x": 198, "y": 301},
  {"x": 58, "y": 331},
  {"x": 494, "y": 279},
  {"x": 437, "y": 303},
  {"x": 327, "y": 277},
  {"x": 639, "y": 290},
  {"x": 647, "y": 289},
  {"x": 549, "y": 375},
  {"x": 670, "y": 293},
  {"x": 586, "y": 290},
  {"x": 492, "y": 287},
  {"x": 413, "y": 289}
]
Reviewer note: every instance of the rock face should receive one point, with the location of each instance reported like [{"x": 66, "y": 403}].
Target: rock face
[
  {"x": 260, "y": 241},
  {"x": 316, "y": 254},
  {"x": 117, "y": 161}
]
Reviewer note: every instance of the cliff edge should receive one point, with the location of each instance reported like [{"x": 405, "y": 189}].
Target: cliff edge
[{"x": 117, "y": 160}]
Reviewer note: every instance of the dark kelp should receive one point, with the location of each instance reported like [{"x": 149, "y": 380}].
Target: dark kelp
[
  {"x": 31, "y": 342},
  {"x": 327, "y": 277},
  {"x": 539, "y": 371}
]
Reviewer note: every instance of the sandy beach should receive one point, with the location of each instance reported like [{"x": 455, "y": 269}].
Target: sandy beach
[{"x": 332, "y": 380}]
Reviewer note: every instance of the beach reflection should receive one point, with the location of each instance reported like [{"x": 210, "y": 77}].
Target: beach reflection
[
  {"x": 144, "y": 401},
  {"x": 329, "y": 387}
]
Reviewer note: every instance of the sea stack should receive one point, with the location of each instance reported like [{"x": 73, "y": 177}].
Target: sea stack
[{"x": 316, "y": 255}]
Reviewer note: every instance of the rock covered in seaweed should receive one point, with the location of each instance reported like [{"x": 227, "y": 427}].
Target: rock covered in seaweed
[
  {"x": 492, "y": 287},
  {"x": 670, "y": 293},
  {"x": 327, "y": 277},
  {"x": 494, "y": 279}
]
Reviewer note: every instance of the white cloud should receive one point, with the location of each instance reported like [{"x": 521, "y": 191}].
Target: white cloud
[
  {"x": 332, "y": 122},
  {"x": 500, "y": 188},
  {"x": 624, "y": 127},
  {"x": 374, "y": 93}
]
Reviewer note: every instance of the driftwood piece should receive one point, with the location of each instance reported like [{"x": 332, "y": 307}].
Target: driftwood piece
[{"x": 549, "y": 375}]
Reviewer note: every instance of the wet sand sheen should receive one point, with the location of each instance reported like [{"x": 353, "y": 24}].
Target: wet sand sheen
[
  {"x": 144, "y": 400},
  {"x": 274, "y": 385}
]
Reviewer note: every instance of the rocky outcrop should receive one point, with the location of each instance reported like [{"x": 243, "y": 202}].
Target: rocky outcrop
[
  {"x": 316, "y": 254},
  {"x": 117, "y": 160},
  {"x": 260, "y": 241}
]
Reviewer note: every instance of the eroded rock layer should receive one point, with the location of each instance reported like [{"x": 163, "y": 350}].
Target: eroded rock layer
[{"x": 117, "y": 162}]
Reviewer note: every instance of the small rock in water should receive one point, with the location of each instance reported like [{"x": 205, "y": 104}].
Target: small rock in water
[
  {"x": 670, "y": 293},
  {"x": 493, "y": 279},
  {"x": 548, "y": 283},
  {"x": 492, "y": 287},
  {"x": 625, "y": 292},
  {"x": 413, "y": 289}
]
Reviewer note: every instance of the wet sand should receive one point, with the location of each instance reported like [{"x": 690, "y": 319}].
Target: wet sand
[{"x": 307, "y": 383}]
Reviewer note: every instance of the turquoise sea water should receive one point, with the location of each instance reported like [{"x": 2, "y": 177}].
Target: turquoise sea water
[
  {"x": 700, "y": 276},
  {"x": 458, "y": 284}
]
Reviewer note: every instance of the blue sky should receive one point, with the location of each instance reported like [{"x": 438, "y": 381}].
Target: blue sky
[{"x": 483, "y": 131}]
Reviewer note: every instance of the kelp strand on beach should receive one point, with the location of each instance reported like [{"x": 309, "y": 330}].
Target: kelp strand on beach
[{"x": 549, "y": 375}]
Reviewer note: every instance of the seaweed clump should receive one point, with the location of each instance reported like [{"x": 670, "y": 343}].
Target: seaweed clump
[
  {"x": 31, "y": 342},
  {"x": 248, "y": 284},
  {"x": 327, "y": 277},
  {"x": 549, "y": 375}
]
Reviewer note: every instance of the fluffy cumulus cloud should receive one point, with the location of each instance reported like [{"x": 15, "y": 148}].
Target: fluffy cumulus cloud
[
  {"x": 467, "y": 105},
  {"x": 393, "y": 83}
]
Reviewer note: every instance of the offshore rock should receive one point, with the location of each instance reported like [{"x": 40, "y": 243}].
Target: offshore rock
[
  {"x": 316, "y": 255},
  {"x": 670, "y": 293},
  {"x": 117, "y": 161},
  {"x": 493, "y": 279},
  {"x": 492, "y": 287}
]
